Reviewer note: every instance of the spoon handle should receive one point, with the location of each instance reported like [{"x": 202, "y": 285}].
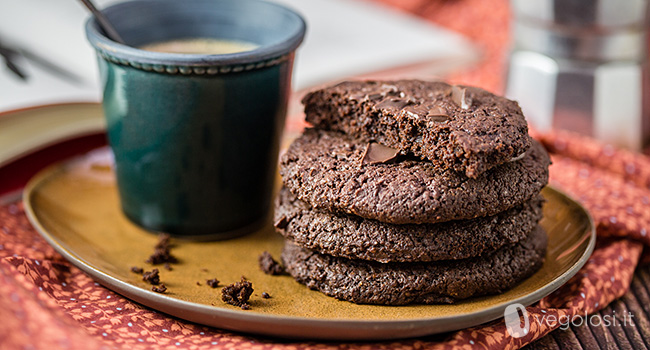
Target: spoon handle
[{"x": 103, "y": 22}]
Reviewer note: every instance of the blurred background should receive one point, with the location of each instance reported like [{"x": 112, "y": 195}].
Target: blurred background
[
  {"x": 571, "y": 64},
  {"x": 345, "y": 38}
]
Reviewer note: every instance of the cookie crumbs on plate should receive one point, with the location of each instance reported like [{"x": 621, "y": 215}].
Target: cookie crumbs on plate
[
  {"x": 238, "y": 293},
  {"x": 266, "y": 295},
  {"x": 214, "y": 283},
  {"x": 245, "y": 307},
  {"x": 159, "y": 289},
  {"x": 161, "y": 252},
  {"x": 151, "y": 276},
  {"x": 136, "y": 269},
  {"x": 168, "y": 267},
  {"x": 269, "y": 265},
  {"x": 198, "y": 283}
]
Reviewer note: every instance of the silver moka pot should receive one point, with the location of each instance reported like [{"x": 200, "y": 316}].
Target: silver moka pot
[{"x": 582, "y": 65}]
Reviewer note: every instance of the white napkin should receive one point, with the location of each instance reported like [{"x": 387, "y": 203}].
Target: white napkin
[{"x": 344, "y": 38}]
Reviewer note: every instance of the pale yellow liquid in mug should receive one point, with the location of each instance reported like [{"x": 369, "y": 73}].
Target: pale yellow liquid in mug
[{"x": 200, "y": 46}]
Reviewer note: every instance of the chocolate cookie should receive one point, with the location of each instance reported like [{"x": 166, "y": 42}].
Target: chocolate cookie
[
  {"x": 463, "y": 128},
  {"x": 326, "y": 170},
  {"x": 357, "y": 238},
  {"x": 366, "y": 282}
]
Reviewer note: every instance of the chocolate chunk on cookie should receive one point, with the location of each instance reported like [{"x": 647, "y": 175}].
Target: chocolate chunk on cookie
[
  {"x": 367, "y": 282},
  {"x": 357, "y": 238},
  {"x": 325, "y": 169},
  {"x": 466, "y": 129}
]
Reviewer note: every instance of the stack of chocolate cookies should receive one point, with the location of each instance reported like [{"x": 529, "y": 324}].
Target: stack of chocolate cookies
[{"x": 411, "y": 192}]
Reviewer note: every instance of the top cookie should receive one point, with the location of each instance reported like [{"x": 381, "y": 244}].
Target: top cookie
[{"x": 466, "y": 129}]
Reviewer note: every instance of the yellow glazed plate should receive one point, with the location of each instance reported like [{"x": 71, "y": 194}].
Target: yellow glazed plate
[{"x": 75, "y": 208}]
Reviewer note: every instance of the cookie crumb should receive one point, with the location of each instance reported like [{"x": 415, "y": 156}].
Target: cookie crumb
[
  {"x": 136, "y": 269},
  {"x": 168, "y": 267},
  {"x": 151, "y": 276},
  {"x": 268, "y": 265},
  {"x": 266, "y": 295},
  {"x": 245, "y": 307},
  {"x": 238, "y": 293},
  {"x": 160, "y": 289},
  {"x": 214, "y": 283},
  {"x": 204, "y": 270},
  {"x": 161, "y": 252},
  {"x": 198, "y": 283}
]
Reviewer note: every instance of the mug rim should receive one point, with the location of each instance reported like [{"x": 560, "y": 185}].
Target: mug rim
[{"x": 262, "y": 56}]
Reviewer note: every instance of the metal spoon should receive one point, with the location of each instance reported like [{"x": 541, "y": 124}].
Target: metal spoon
[{"x": 104, "y": 22}]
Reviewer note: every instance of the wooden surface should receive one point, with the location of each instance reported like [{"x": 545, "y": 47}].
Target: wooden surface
[{"x": 634, "y": 335}]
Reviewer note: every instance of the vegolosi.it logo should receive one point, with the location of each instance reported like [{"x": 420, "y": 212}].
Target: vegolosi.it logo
[
  {"x": 516, "y": 317},
  {"x": 518, "y": 321}
]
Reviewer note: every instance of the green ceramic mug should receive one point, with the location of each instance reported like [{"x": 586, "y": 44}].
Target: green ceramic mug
[{"x": 196, "y": 137}]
